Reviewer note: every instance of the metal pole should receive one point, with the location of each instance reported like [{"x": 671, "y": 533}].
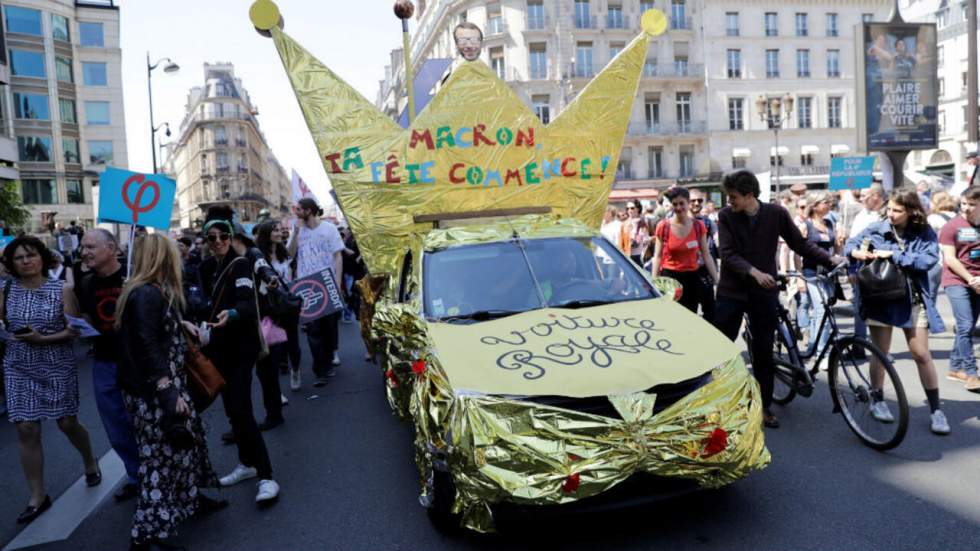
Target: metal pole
[
  {"x": 971, "y": 79},
  {"x": 775, "y": 130},
  {"x": 409, "y": 84},
  {"x": 149, "y": 87}
]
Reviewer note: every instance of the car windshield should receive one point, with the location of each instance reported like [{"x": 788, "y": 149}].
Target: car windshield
[{"x": 492, "y": 280}]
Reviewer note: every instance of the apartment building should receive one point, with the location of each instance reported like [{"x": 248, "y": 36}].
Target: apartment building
[
  {"x": 221, "y": 156},
  {"x": 62, "y": 104}
]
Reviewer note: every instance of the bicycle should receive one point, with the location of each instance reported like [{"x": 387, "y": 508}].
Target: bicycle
[{"x": 850, "y": 371}]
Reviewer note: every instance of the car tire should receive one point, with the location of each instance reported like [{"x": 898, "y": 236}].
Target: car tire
[{"x": 440, "y": 509}]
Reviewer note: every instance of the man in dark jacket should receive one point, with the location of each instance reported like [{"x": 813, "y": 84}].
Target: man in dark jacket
[{"x": 749, "y": 233}]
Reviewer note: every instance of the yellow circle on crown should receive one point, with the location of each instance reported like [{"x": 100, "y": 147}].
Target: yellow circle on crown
[
  {"x": 264, "y": 14},
  {"x": 653, "y": 22}
]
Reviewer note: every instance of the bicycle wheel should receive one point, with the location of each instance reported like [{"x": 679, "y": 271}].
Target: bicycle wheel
[
  {"x": 784, "y": 383},
  {"x": 881, "y": 427}
]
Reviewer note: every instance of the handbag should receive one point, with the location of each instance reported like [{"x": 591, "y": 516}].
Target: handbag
[
  {"x": 272, "y": 333},
  {"x": 204, "y": 381},
  {"x": 882, "y": 280}
]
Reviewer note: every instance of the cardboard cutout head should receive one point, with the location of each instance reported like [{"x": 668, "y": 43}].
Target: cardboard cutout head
[{"x": 469, "y": 40}]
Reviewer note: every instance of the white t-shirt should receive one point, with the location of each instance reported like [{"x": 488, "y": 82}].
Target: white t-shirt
[
  {"x": 864, "y": 219},
  {"x": 316, "y": 248}
]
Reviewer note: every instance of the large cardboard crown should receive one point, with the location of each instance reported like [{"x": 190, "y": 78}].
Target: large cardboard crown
[{"x": 475, "y": 147}]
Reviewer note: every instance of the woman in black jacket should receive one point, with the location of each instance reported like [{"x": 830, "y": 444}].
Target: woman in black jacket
[
  {"x": 233, "y": 346},
  {"x": 173, "y": 452}
]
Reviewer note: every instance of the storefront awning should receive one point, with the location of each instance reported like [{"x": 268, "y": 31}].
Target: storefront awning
[
  {"x": 783, "y": 150},
  {"x": 809, "y": 150},
  {"x": 741, "y": 152},
  {"x": 839, "y": 148}
]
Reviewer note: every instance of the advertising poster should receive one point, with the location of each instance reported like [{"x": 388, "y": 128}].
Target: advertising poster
[{"x": 899, "y": 86}]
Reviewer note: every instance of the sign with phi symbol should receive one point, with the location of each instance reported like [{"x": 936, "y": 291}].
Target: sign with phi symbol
[{"x": 136, "y": 198}]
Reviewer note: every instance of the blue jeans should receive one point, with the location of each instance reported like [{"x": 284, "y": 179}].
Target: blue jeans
[
  {"x": 966, "y": 309},
  {"x": 819, "y": 293},
  {"x": 118, "y": 426},
  {"x": 803, "y": 310}
]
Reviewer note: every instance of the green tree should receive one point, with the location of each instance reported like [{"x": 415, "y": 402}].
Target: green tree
[{"x": 12, "y": 209}]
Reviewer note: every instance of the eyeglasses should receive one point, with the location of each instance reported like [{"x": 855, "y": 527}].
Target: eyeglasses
[
  {"x": 222, "y": 236},
  {"x": 467, "y": 40}
]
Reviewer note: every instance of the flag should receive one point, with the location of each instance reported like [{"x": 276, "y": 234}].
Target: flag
[{"x": 300, "y": 189}]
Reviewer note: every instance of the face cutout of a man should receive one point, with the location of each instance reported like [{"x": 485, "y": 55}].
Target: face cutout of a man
[{"x": 469, "y": 41}]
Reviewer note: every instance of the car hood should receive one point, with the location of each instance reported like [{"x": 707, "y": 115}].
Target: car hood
[{"x": 605, "y": 350}]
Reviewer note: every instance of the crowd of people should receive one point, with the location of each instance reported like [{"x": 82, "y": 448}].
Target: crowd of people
[
  {"x": 728, "y": 260},
  {"x": 211, "y": 291}
]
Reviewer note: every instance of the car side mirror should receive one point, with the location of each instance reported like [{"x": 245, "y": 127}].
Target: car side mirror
[{"x": 669, "y": 287}]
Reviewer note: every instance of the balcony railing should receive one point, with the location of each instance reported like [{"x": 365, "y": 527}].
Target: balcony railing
[
  {"x": 585, "y": 22},
  {"x": 617, "y": 21},
  {"x": 576, "y": 70},
  {"x": 812, "y": 170},
  {"x": 680, "y": 23},
  {"x": 643, "y": 128},
  {"x": 535, "y": 72},
  {"x": 538, "y": 23},
  {"x": 220, "y": 142},
  {"x": 671, "y": 70},
  {"x": 241, "y": 143},
  {"x": 496, "y": 26}
]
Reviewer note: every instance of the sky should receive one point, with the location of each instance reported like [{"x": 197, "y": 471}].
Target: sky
[{"x": 353, "y": 38}]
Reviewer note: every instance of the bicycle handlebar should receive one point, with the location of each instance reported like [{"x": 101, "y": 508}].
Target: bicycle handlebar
[{"x": 838, "y": 270}]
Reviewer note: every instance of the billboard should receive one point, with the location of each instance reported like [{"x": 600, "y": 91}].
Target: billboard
[{"x": 897, "y": 86}]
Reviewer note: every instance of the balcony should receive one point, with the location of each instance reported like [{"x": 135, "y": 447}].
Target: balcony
[
  {"x": 535, "y": 72},
  {"x": 664, "y": 129},
  {"x": 241, "y": 142},
  {"x": 673, "y": 70},
  {"x": 242, "y": 169},
  {"x": 585, "y": 22},
  {"x": 813, "y": 170},
  {"x": 538, "y": 23},
  {"x": 576, "y": 70},
  {"x": 220, "y": 143},
  {"x": 617, "y": 21},
  {"x": 680, "y": 23},
  {"x": 688, "y": 127},
  {"x": 496, "y": 26},
  {"x": 645, "y": 129}
]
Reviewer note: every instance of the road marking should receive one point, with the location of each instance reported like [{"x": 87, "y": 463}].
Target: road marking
[{"x": 71, "y": 507}]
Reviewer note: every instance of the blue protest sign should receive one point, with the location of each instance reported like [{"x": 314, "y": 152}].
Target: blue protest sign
[
  {"x": 135, "y": 198},
  {"x": 320, "y": 294},
  {"x": 851, "y": 172},
  {"x": 4, "y": 239}
]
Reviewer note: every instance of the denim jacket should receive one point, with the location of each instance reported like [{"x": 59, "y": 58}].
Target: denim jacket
[{"x": 921, "y": 252}]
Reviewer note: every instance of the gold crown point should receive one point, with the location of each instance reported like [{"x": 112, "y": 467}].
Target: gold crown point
[
  {"x": 264, "y": 15},
  {"x": 653, "y": 22}
]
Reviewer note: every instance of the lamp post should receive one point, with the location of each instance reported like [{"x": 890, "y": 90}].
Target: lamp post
[
  {"x": 404, "y": 10},
  {"x": 170, "y": 67},
  {"x": 779, "y": 111}
]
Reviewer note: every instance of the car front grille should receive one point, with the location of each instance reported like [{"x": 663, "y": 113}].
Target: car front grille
[{"x": 667, "y": 395}]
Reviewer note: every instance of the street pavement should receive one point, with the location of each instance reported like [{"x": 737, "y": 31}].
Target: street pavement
[{"x": 348, "y": 481}]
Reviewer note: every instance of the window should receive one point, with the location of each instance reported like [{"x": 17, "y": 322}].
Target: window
[
  {"x": 834, "y": 112},
  {"x": 738, "y": 162},
  {"x": 23, "y": 20},
  {"x": 100, "y": 152},
  {"x": 240, "y": 140},
  {"x": 76, "y": 194},
  {"x": 678, "y": 15},
  {"x": 833, "y": 63},
  {"x": 24, "y": 63},
  {"x": 535, "y": 15},
  {"x": 220, "y": 138},
  {"x": 542, "y": 108},
  {"x": 680, "y": 66},
  {"x": 686, "y": 162},
  {"x": 655, "y": 162},
  {"x": 31, "y": 106},
  {"x": 583, "y": 59},
  {"x": 34, "y": 149},
  {"x": 90, "y": 34},
  {"x": 583, "y": 15},
  {"x": 964, "y": 80},
  {"x": 94, "y": 74},
  {"x": 97, "y": 112},
  {"x": 70, "y": 147},
  {"x": 942, "y": 18},
  {"x": 59, "y": 27},
  {"x": 538, "y": 65},
  {"x": 942, "y": 87},
  {"x": 832, "y": 24},
  {"x": 802, "y": 28},
  {"x": 650, "y": 68},
  {"x": 772, "y": 63},
  {"x": 806, "y": 159},
  {"x": 614, "y": 17},
  {"x": 497, "y": 62},
  {"x": 734, "y": 63},
  {"x": 803, "y": 63},
  {"x": 221, "y": 159},
  {"x": 772, "y": 24},
  {"x": 804, "y": 112},
  {"x": 867, "y": 17},
  {"x": 941, "y": 120},
  {"x": 651, "y": 113},
  {"x": 940, "y": 56},
  {"x": 615, "y": 48},
  {"x": 731, "y": 23},
  {"x": 63, "y": 70},
  {"x": 38, "y": 192},
  {"x": 774, "y": 159},
  {"x": 495, "y": 21},
  {"x": 646, "y": 5},
  {"x": 684, "y": 111},
  {"x": 736, "y": 114},
  {"x": 66, "y": 108}
]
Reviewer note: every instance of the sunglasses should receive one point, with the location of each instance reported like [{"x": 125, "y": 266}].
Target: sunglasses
[{"x": 222, "y": 236}]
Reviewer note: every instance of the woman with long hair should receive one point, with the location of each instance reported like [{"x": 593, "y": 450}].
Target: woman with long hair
[
  {"x": 906, "y": 238},
  {"x": 271, "y": 240},
  {"x": 40, "y": 374},
  {"x": 818, "y": 229},
  {"x": 173, "y": 451},
  {"x": 678, "y": 241}
]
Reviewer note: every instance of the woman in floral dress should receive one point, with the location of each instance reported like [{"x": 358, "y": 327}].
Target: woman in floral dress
[{"x": 173, "y": 453}]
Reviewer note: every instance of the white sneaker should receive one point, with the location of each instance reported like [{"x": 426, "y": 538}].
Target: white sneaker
[
  {"x": 285, "y": 401},
  {"x": 824, "y": 364},
  {"x": 268, "y": 490},
  {"x": 939, "y": 423},
  {"x": 880, "y": 411},
  {"x": 295, "y": 380},
  {"x": 336, "y": 359},
  {"x": 240, "y": 473}
]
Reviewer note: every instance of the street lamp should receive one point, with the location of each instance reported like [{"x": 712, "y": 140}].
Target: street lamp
[
  {"x": 775, "y": 111},
  {"x": 170, "y": 67}
]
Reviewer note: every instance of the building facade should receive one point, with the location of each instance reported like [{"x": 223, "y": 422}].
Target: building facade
[
  {"x": 694, "y": 116},
  {"x": 221, "y": 156},
  {"x": 62, "y": 106}
]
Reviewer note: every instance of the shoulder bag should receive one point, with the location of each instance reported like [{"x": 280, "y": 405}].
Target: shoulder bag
[{"x": 883, "y": 280}]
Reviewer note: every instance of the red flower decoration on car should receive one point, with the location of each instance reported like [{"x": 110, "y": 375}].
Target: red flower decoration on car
[
  {"x": 717, "y": 442},
  {"x": 390, "y": 375},
  {"x": 571, "y": 483},
  {"x": 418, "y": 367}
]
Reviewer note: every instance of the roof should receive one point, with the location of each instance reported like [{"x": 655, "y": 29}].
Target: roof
[{"x": 534, "y": 226}]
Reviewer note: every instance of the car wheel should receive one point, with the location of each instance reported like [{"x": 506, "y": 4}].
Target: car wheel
[{"x": 440, "y": 508}]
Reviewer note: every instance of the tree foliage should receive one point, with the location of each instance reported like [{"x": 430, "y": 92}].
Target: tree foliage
[{"x": 12, "y": 209}]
